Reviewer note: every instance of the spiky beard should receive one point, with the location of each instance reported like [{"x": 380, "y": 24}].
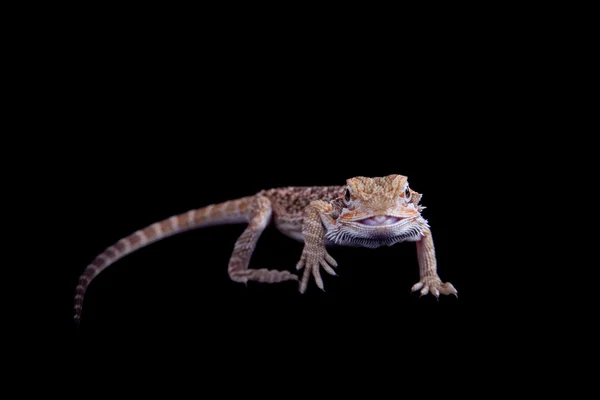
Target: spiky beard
[{"x": 373, "y": 238}]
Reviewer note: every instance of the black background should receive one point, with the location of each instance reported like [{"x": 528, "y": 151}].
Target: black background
[
  {"x": 155, "y": 129},
  {"x": 132, "y": 118}
]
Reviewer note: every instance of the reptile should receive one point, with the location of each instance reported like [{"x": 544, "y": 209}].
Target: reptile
[{"x": 366, "y": 212}]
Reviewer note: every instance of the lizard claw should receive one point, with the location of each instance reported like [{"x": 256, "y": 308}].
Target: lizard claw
[
  {"x": 433, "y": 285},
  {"x": 312, "y": 262}
]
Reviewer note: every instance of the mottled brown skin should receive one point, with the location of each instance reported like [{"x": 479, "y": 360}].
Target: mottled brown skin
[
  {"x": 366, "y": 212},
  {"x": 292, "y": 201}
]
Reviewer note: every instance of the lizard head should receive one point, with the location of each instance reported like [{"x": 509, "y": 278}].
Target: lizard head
[{"x": 374, "y": 212}]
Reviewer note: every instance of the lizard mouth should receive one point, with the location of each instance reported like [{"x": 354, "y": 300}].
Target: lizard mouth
[{"x": 380, "y": 220}]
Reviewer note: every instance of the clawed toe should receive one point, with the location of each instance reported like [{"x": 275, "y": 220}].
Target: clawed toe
[
  {"x": 312, "y": 262},
  {"x": 447, "y": 288},
  {"x": 435, "y": 287}
]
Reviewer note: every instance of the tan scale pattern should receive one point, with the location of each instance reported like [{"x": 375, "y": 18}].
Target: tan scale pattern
[
  {"x": 429, "y": 279},
  {"x": 314, "y": 255},
  {"x": 202, "y": 217},
  {"x": 244, "y": 247}
]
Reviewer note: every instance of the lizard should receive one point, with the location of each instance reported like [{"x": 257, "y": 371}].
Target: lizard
[{"x": 366, "y": 212}]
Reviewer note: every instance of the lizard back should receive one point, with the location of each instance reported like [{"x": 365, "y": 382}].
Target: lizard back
[{"x": 291, "y": 202}]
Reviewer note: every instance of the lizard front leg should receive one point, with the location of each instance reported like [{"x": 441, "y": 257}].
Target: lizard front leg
[
  {"x": 260, "y": 215},
  {"x": 314, "y": 254},
  {"x": 429, "y": 279}
]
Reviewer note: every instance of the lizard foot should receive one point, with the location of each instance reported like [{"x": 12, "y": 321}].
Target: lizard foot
[
  {"x": 433, "y": 285},
  {"x": 311, "y": 261},
  {"x": 264, "y": 275}
]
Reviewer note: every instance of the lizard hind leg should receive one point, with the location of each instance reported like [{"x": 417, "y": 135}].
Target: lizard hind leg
[{"x": 260, "y": 216}]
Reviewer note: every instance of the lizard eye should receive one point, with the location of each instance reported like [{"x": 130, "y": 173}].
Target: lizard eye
[
  {"x": 347, "y": 195},
  {"x": 407, "y": 193}
]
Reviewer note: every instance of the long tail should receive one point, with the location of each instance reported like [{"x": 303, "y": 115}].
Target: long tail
[{"x": 229, "y": 212}]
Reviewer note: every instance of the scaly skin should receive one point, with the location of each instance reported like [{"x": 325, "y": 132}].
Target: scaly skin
[
  {"x": 314, "y": 256},
  {"x": 366, "y": 212}
]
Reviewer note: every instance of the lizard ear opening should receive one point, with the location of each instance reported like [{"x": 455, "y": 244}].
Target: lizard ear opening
[{"x": 347, "y": 196}]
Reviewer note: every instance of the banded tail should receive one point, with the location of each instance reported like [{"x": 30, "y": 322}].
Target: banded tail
[{"x": 229, "y": 212}]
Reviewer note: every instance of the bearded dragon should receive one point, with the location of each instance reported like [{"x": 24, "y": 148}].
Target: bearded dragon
[{"x": 366, "y": 212}]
